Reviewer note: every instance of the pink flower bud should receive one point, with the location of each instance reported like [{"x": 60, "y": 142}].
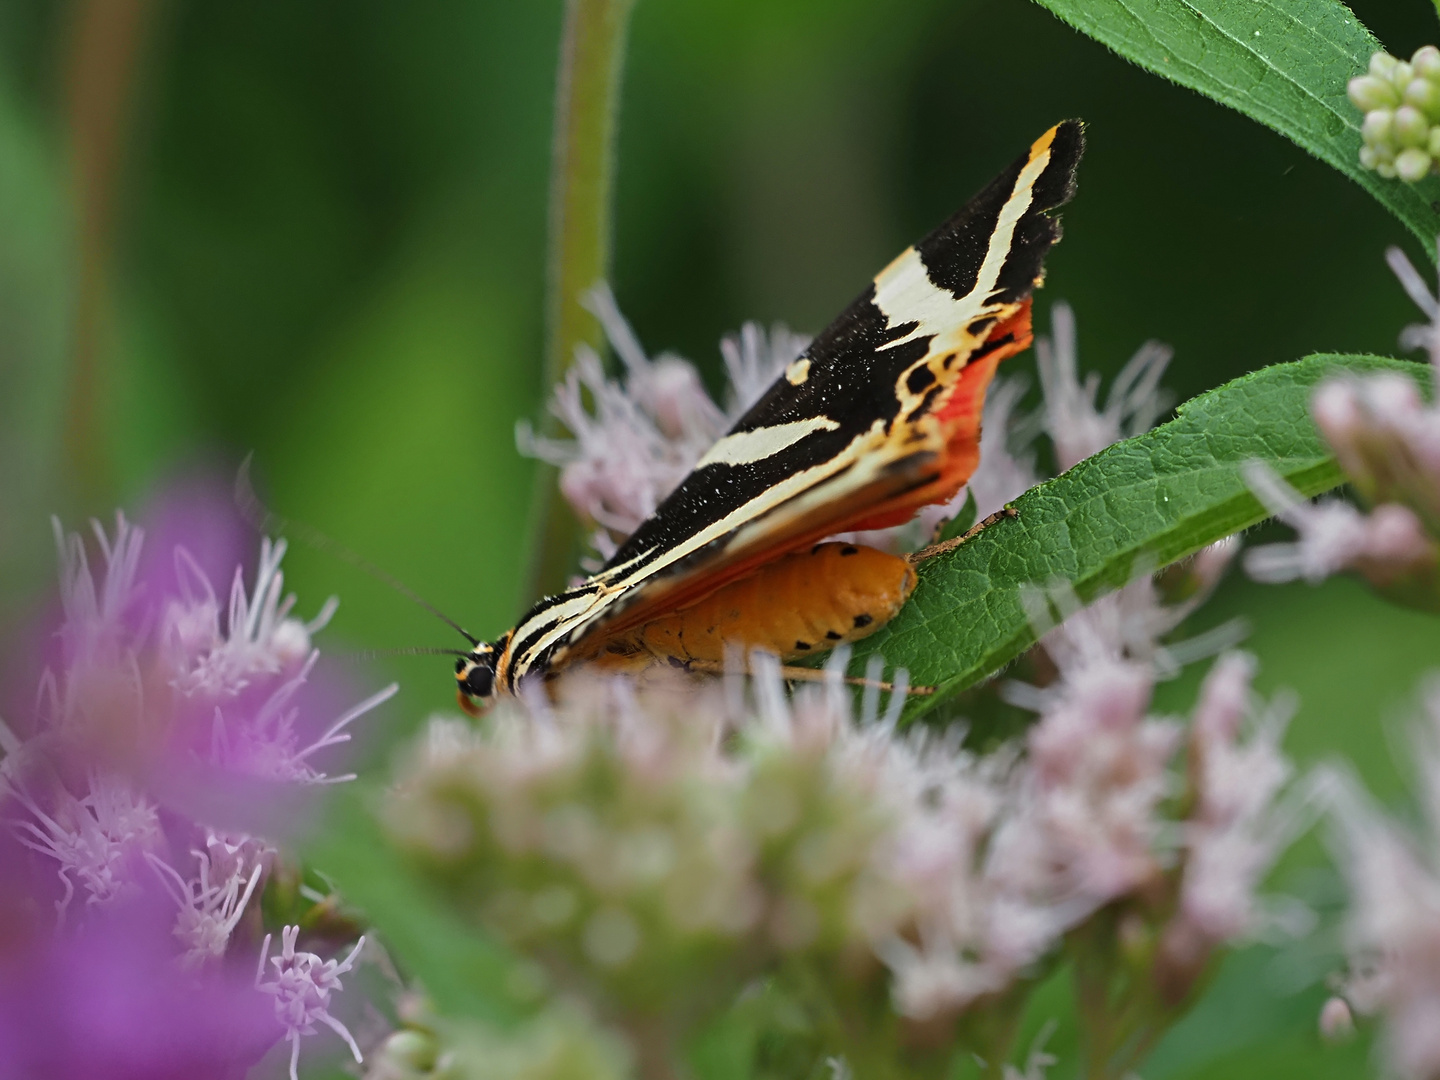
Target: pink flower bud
[
  {"x": 1224, "y": 698},
  {"x": 1336, "y": 411},
  {"x": 1396, "y": 538},
  {"x": 1425, "y": 445},
  {"x": 1392, "y": 399},
  {"x": 1336, "y": 1022},
  {"x": 290, "y": 642},
  {"x": 1211, "y": 562}
]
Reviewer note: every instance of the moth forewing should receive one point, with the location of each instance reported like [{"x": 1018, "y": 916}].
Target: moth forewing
[{"x": 879, "y": 416}]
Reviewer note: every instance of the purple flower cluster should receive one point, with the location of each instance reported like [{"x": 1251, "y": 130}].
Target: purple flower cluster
[{"x": 132, "y": 852}]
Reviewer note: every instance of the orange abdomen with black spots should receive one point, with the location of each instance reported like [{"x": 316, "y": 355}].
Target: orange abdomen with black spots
[{"x": 798, "y": 605}]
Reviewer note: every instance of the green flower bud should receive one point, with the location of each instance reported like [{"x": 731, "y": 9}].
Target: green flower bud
[
  {"x": 1412, "y": 127},
  {"x": 1412, "y": 165},
  {"x": 1367, "y": 92},
  {"x": 1401, "y": 74},
  {"x": 1378, "y": 127},
  {"x": 1386, "y": 169},
  {"x": 1382, "y": 65},
  {"x": 1433, "y": 145},
  {"x": 1425, "y": 96},
  {"x": 409, "y": 1052},
  {"x": 1368, "y": 158},
  {"x": 1426, "y": 62}
]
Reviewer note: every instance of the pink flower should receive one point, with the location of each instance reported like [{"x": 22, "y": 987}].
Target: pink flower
[
  {"x": 97, "y": 840},
  {"x": 1236, "y": 830},
  {"x": 636, "y": 439},
  {"x": 1385, "y": 546},
  {"x": 1417, "y": 335},
  {"x": 1393, "y": 927},
  {"x": 213, "y": 902},
  {"x": 303, "y": 986},
  {"x": 107, "y": 1001},
  {"x": 1089, "y": 826},
  {"x": 1387, "y": 439},
  {"x": 1077, "y": 425},
  {"x": 159, "y": 702}
]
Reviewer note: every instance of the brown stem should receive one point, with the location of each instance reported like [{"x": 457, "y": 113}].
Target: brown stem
[
  {"x": 106, "y": 40},
  {"x": 654, "y": 1052},
  {"x": 582, "y": 175}
]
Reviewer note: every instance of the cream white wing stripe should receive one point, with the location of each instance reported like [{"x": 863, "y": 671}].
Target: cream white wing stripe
[
  {"x": 566, "y": 617},
  {"x": 905, "y": 293},
  {"x": 748, "y": 447}
]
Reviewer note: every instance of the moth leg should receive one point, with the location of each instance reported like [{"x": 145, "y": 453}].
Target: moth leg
[
  {"x": 955, "y": 541},
  {"x": 805, "y": 674}
]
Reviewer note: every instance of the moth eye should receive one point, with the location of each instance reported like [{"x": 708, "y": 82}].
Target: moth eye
[
  {"x": 476, "y": 673},
  {"x": 480, "y": 681}
]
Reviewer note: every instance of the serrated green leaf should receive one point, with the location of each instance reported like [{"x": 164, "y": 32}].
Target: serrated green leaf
[
  {"x": 1284, "y": 63},
  {"x": 1146, "y": 501},
  {"x": 465, "y": 972}
]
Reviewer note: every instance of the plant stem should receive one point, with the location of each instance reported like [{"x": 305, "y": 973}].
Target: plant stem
[
  {"x": 106, "y": 40},
  {"x": 587, "y": 98}
]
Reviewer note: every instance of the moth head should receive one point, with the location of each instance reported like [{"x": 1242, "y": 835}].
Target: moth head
[{"x": 475, "y": 676}]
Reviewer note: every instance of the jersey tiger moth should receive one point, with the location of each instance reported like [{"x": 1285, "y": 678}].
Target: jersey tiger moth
[{"x": 877, "y": 418}]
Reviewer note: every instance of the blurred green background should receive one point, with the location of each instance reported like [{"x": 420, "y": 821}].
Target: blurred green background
[{"x": 326, "y": 239}]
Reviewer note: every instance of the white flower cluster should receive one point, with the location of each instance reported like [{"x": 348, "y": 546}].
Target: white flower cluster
[
  {"x": 620, "y": 833},
  {"x": 1387, "y": 439},
  {"x": 1401, "y": 103},
  {"x": 1393, "y": 927}
]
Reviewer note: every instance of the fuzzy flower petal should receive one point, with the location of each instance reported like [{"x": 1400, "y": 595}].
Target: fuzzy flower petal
[
  {"x": 108, "y": 1001},
  {"x": 1394, "y": 920},
  {"x": 303, "y": 986},
  {"x": 1078, "y": 426},
  {"x": 1385, "y": 546}
]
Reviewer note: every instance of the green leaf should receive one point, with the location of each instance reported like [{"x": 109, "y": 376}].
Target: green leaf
[
  {"x": 1284, "y": 63},
  {"x": 1146, "y": 501},
  {"x": 465, "y": 973}
]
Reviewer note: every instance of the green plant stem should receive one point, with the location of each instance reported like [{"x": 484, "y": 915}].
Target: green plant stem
[
  {"x": 106, "y": 43},
  {"x": 587, "y": 98}
]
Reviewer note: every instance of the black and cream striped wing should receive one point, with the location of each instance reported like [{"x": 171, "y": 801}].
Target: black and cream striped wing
[{"x": 850, "y": 425}]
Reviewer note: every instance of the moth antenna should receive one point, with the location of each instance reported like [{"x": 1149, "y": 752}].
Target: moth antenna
[
  {"x": 265, "y": 520},
  {"x": 417, "y": 650}
]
